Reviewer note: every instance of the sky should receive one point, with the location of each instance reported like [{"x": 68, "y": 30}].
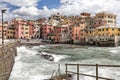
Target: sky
[{"x": 34, "y": 9}]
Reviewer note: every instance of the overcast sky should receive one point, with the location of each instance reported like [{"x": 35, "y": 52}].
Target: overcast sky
[{"x": 33, "y": 9}]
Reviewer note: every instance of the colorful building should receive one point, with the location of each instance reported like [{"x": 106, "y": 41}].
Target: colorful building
[
  {"x": 30, "y": 30},
  {"x": 18, "y": 24},
  {"x": 37, "y": 28},
  {"x": 85, "y": 25},
  {"x": 75, "y": 33},
  {"x": 104, "y": 35},
  {"x": 0, "y": 30},
  {"x": 45, "y": 30},
  {"x": 108, "y": 18},
  {"x": 10, "y": 32},
  {"x": 61, "y": 34},
  {"x": 23, "y": 29}
]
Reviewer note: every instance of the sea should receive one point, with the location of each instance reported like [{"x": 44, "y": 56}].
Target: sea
[{"x": 30, "y": 65}]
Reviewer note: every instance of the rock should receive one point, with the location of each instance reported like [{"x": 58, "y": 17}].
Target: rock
[{"x": 46, "y": 56}]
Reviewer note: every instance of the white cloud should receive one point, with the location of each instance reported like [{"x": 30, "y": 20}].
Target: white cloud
[
  {"x": 21, "y": 3},
  {"x": 27, "y": 11},
  {"x": 28, "y": 8},
  {"x": 75, "y": 7},
  {"x": 92, "y": 6},
  {"x": 45, "y": 12}
]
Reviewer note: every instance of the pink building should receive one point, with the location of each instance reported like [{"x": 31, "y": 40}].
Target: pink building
[
  {"x": 75, "y": 33},
  {"x": 30, "y": 23},
  {"x": 98, "y": 22},
  {"x": 45, "y": 30},
  {"x": 19, "y": 28},
  {"x": 23, "y": 29},
  {"x": 61, "y": 34}
]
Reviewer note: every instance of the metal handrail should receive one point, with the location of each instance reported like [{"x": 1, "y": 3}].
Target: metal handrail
[
  {"x": 90, "y": 75},
  {"x": 97, "y": 65}
]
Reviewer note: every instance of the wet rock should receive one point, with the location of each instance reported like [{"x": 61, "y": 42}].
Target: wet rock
[{"x": 46, "y": 56}]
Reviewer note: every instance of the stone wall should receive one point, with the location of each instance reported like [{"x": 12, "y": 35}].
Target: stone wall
[{"x": 7, "y": 56}]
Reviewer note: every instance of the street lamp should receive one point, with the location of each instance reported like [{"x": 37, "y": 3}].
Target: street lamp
[{"x": 3, "y": 11}]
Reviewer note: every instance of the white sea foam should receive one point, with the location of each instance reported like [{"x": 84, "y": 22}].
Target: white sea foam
[
  {"x": 59, "y": 57},
  {"x": 114, "y": 51},
  {"x": 38, "y": 77},
  {"x": 42, "y": 69},
  {"x": 42, "y": 46},
  {"x": 110, "y": 73}
]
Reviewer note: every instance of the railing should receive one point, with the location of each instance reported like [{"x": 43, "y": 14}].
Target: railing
[{"x": 89, "y": 65}]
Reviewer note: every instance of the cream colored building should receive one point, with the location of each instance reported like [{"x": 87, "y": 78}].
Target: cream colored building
[{"x": 109, "y": 18}]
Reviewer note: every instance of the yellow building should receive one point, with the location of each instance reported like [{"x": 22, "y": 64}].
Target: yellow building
[
  {"x": 26, "y": 31},
  {"x": 82, "y": 36},
  {"x": 84, "y": 25},
  {"x": 108, "y": 31},
  {"x": 104, "y": 35},
  {"x": 10, "y": 32},
  {"x": 5, "y": 25},
  {"x": 90, "y": 34}
]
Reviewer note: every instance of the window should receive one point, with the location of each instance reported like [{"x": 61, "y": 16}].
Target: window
[
  {"x": 26, "y": 28},
  {"x": 108, "y": 16},
  {"x": 118, "y": 34},
  {"x": 21, "y": 32},
  {"x": 103, "y": 34},
  {"x": 76, "y": 38},
  {"x": 114, "y": 17},
  {"x": 108, "y": 20},
  {"x": 106, "y": 29},
  {"x": 119, "y": 29},
  {"x": 99, "y": 22},
  {"x": 26, "y": 32}
]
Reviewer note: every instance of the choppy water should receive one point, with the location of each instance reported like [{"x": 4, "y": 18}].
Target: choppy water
[{"x": 30, "y": 66}]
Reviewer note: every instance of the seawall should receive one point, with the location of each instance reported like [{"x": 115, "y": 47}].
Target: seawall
[{"x": 7, "y": 57}]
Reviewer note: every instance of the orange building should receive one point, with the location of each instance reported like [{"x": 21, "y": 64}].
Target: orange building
[
  {"x": 5, "y": 25},
  {"x": 10, "y": 32},
  {"x": 85, "y": 24}
]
